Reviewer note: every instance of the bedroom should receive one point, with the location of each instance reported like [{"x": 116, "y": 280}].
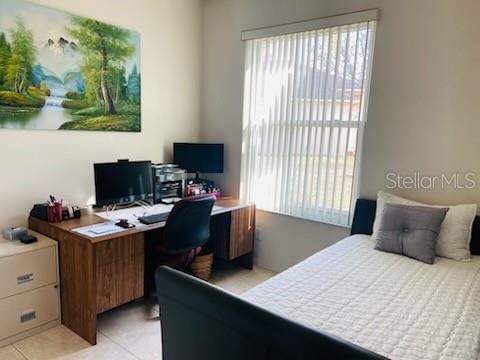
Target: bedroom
[{"x": 421, "y": 119}]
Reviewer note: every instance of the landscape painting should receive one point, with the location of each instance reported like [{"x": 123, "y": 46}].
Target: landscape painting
[{"x": 64, "y": 72}]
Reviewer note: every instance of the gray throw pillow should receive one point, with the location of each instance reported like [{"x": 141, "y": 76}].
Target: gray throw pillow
[{"x": 410, "y": 230}]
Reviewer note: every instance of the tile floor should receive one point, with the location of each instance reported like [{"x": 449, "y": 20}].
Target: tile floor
[{"x": 129, "y": 332}]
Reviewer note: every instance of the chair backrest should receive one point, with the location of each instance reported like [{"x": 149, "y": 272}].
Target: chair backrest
[{"x": 188, "y": 225}]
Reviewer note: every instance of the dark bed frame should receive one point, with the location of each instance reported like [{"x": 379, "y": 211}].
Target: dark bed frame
[{"x": 202, "y": 322}]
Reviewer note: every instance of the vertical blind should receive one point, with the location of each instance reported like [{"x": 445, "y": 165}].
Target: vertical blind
[{"x": 304, "y": 112}]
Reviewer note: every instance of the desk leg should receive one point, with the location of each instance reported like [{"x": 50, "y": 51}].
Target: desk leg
[
  {"x": 242, "y": 236},
  {"x": 77, "y": 285},
  {"x": 245, "y": 261},
  {"x": 232, "y": 236}
]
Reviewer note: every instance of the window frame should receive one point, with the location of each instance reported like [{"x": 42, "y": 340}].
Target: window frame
[{"x": 339, "y": 21}]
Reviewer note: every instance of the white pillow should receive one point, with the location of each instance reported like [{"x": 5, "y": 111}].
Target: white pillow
[{"x": 455, "y": 234}]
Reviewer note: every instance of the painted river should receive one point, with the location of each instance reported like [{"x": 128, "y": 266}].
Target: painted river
[{"x": 50, "y": 117}]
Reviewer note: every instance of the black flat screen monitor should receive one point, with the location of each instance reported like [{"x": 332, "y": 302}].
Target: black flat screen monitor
[
  {"x": 123, "y": 182},
  {"x": 199, "y": 158}
]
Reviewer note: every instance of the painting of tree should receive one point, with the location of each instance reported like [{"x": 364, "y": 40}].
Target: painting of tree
[
  {"x": 65, "y": 72},
  {"x": 23, "y": 54}
]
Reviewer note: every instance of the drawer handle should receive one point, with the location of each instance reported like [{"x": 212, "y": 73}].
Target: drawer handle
[
  {"x": 24, "y": 279},
  {"x": 31, "y": 315},
  {"x": 250, "y": 219}
]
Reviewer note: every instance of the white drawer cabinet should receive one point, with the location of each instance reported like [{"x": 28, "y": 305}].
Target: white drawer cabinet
[
  {"x": 31, "y": 270},
  {"x": 28, "y": 310},
  {"x": 29, "y": 292}
]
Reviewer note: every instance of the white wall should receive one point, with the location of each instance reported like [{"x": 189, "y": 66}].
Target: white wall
[
  {"x": 423, "y": 112},
  {"x": 37, "y": 163}
]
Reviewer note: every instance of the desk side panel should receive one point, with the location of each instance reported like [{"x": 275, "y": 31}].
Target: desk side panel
[
  {"x": 120, "y": 266},
  {"x": 77, "y": 279},
  {"x": 77, "y": 284},
  {"x": 220, "y": 235},
  {"x": 242, "y": 232}
]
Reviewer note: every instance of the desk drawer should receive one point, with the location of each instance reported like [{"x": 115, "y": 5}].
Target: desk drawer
[
  {"x": 242, "y": 232},
  {"x": 27, "y": 271},
  {"x": 28, "y": 310},
  {"x": 124, "y": 248}
]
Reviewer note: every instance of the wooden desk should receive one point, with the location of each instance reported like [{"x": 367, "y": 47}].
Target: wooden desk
[{"x": 99, "y": 274}]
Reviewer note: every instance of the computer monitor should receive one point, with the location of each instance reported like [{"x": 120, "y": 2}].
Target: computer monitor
[
  {"x": 123, "y": 182},
  {"x": 199, "y": 158}
]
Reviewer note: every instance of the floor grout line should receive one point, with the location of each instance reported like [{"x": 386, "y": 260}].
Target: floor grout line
[
  {"x": 120, "y": 345},
  {"x": 20, "y": 351}
]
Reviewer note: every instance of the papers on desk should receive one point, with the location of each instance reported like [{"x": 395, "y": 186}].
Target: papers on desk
[
  {"x": 131, "y": 214},
  {"x": 97, "y": 230}
]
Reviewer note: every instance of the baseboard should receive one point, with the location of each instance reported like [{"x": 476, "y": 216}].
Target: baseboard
[{"x": 17, "y": 337}]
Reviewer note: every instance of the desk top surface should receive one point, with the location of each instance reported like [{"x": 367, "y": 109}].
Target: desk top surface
[{"x": 89, "y": 218}]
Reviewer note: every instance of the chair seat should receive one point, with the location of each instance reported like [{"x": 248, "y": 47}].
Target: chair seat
[
  {"x": 176, "y": 260},
  {"x": 187, "y": 229}
]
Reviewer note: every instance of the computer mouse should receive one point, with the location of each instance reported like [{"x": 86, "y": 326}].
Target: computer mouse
[{"x": 125, "y": 224}]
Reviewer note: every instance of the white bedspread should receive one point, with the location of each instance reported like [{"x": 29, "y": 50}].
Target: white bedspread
[{"x": 395, "y": 306}]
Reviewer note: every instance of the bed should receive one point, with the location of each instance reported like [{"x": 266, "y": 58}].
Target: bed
[{"x": 347, "y": 301}]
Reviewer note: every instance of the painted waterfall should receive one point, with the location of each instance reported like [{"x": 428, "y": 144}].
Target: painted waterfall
[{"x": 64, "y": 72}]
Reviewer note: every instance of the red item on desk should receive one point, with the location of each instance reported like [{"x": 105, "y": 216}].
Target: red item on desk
[
  {"x": 217, "y": 194},
  {"x": 199, "y": 189},
  {"x": 55, "y": 212}
]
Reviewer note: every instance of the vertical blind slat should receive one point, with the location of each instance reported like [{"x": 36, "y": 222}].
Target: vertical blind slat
[
  {"x": 299, "y": 129},
  {"x": 317, "y": 132},
  {"x": 261, "y": 126},
  {"x": 247, "y": 127},
  {"x": 291, "y": 84},
  {"x": 253, "y": 146},
  {"x": 280, "y": 115},
  {"x": 280, "y": 65},
  {"x": 267, "y": 115},
  {"x": 295, "y": 115},
  {"x": 302, "y": 117},
  {"x": 340, "y": 130},
  {"x": 366, "y": 77},
  {"x": 320, "y": 177},
  {"x": 304, "y": 103},
  {"x": 306, "y": 208},
  {"x": 330, "y": 132},
  {"x": 291, "y": 138},
  {"x": 354, "y": 78}
]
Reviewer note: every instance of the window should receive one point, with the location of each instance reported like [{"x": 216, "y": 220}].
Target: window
[{"x": 305, "y": 102}]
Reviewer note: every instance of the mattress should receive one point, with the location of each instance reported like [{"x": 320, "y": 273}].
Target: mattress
[{"x": 390, "y": 304}]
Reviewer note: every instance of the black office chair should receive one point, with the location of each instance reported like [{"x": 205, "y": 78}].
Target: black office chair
[{"x": 187, "y": 229}]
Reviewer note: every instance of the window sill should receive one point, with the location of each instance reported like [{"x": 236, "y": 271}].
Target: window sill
[{"x": 305, "y": 218}]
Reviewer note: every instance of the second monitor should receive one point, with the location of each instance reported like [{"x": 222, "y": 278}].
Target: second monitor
[{"x": 199, "y": 158}]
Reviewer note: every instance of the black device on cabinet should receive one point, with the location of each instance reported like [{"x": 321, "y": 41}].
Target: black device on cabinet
[
  {"x": 199, "y": 158},
  {"x": 169, "y": 182}
]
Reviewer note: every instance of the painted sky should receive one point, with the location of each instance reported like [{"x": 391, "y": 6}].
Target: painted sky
[{"x": 47, "y": 23}]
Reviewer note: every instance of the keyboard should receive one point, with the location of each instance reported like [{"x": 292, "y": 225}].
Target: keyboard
[{"x": 153, "y": 219}]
